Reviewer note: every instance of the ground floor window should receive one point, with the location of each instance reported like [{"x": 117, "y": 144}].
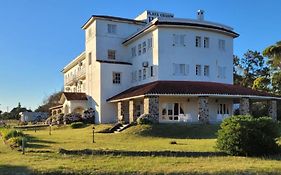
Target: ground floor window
[
  {"x": 223, "y": 108},
  {"x": 171, "y": 111}
]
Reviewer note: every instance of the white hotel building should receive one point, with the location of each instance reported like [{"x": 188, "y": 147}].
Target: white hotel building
[{"x": 171, "y": 68}]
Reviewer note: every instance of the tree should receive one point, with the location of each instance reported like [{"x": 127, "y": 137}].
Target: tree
[
  {"x": 250, "y": 67},
  {"x": 273, "y": 52},
  {"x": 261, "y": 83},
  {"x": 276, "y": 83},
  {"x": 50, "y": 101},
  {"x": 14, "y": 113}
]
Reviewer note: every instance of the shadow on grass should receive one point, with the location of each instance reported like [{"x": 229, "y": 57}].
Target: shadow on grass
[
  {"x": 33, "y": 139},
  {"x": 12, "y": 169},
  {"x": 142, "y": 153},
  {"x": 37, "y": 146},
  {"x": 24, "y": 170},
  {"x": 34, "y": 142},
  {"x": 180, "y": 131}
]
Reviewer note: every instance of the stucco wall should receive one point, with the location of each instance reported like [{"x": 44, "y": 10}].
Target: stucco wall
[{"x": 191, "y": 55}]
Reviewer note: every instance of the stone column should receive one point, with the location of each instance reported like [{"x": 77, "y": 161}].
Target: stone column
[
  {"x": 123, "y": 111},
  {"x": 119, "y": 111},
  {"x": 244, "y": 106},
  {"x": 272, "y": 109},
  {"x": 151, "y": 106},
  {"x": 132, "y": 111},
  {"x": 203, "y": 114}
]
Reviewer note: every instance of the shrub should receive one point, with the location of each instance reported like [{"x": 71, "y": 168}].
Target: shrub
[
  {"x": 13, "y": 133},
  {"x": 77, "y": 125},
  {"x": 71, "y": 118},
  {"x": 17, "y": 141},
  {"x": 89, "y": 116},
  {"x": 145, "y": 119},
  {"x": 248, "y": 136}
]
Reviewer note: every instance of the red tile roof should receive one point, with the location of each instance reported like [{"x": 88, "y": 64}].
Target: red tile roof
[
  {"x": 75, "y": 96},
  {"x": 188, "y": 88}
]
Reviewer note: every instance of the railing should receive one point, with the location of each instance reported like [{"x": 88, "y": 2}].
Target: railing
[{"x": 79, "y": 75}]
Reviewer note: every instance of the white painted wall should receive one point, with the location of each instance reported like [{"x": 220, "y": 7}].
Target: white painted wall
[
  {"x": 108, "y": 111},
  {"x": 105, "y": 40},
  {"x": 191, "y": 55}
]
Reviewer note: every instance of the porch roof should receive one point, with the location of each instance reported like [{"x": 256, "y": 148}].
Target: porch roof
[
  {"x": 189, "y": 88},
  {"x": 69, "y": 96}
]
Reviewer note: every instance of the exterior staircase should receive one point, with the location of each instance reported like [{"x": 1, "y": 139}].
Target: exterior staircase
[{"x": 119, "y": 127}]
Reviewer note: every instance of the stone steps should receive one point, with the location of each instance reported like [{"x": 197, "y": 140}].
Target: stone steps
[{"x": 122, "y": 128}]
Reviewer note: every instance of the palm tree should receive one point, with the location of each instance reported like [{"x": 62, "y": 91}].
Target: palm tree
[{"x": 274, "y": 54}]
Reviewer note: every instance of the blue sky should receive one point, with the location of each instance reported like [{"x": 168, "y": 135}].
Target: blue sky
[{"x": 38, "y": 38}]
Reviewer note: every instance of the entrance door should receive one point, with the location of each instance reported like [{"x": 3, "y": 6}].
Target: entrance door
[{"x": 171, "y": 111}]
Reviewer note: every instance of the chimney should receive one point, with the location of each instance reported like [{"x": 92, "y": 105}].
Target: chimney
[{"x": 200, "y": 15}]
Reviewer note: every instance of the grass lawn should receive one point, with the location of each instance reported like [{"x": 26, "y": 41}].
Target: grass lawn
[{"x": 42, "y": 155}]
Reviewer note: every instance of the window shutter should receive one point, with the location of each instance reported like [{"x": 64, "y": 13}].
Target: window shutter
[
  {"x": 148, "y": 72},
  {"x": 224, "y": 72},
  {"x": 174, "y": 68},
  {"x": 154, "y": 71},
  {"x": 182, "y": 40},
  {"x": 186, "y": 69}
]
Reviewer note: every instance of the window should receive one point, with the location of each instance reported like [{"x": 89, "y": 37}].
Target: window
[
  {"x": 144, "y": 73},
  {"x": 222, "y": 44},
  {"x": 111, "y": 54},
  {"x": 116, "y": 78},
  {"x": 206, "y": 70},
  {"x": 178, "y": 40},
  {"x": 198, "y": 70},
  {"x": 144, "y": 47},
  {"x": 90, "y": 58},
  {"x": 139, "y": 75},
  {"x": 139, "y": 49},
  {"x": 198, "y": 41},
  {"x": 206, "y": 42},
  {"x": 171, "y": 111},
  {"x": 180, "y": 69},
  {"x": 223, "y": 109},
  {"x": 111, "y": 28},
  {"x": 134, "y": 52},
  {"x": 149, "y": 41}
]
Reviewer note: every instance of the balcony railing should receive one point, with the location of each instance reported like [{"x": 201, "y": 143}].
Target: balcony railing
[{"x": 80, "y": 75}]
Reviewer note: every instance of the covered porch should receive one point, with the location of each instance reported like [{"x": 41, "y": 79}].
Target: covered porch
[
  {"x": 71, "y": 102},
  {"x": 182, "y": 102}
]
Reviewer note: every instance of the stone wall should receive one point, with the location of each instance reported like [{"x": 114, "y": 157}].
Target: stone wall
[
  {"x": 123, "y": 111},
  {"x": 244, "y": 106},
  {"x": 132, "y": 111},
  {"x": 151, "y": 106},
  {"x": 272, "y": 109},
  {"x": 203, "y": 114}
]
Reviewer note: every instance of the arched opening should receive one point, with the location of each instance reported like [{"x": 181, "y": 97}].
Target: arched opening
[{"x": 79, "y": 110}]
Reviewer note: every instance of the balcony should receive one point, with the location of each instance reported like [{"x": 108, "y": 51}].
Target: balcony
[{"x": 71, "y": 80}]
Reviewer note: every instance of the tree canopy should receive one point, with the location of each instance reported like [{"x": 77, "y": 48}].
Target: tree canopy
[
  {"x": 273, "y": 52},
  {"x": 50, "y": 101},
  {"x": 250, "y": 67}
]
